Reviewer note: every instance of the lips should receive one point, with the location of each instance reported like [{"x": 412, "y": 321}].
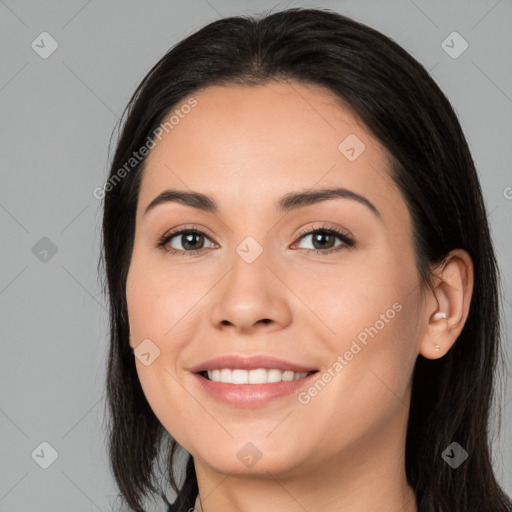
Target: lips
[
  {"x": 250, "y": 363},
  {"x": 251, "y": 395}
]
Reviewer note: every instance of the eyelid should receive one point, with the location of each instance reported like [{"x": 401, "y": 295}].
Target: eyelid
[
  {"x": 348, "y": 240},
  {"x": 188, "y": 227},
  {"x": 344, "y": 235},
  {"x": 171, "y": 233},
  {"x": 325, "y": 227}
]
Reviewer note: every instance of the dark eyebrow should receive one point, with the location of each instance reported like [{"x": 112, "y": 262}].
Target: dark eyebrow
[
  {"x": 288, "y": 202},
  {"x": 193, "y": 199},
  {"x": 295, "y": 200}
]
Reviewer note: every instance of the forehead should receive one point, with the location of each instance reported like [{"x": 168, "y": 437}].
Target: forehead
[{"x": 244, "y": 144}]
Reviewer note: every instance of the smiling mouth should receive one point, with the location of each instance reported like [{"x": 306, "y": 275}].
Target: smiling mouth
[{"x": 256, "y": 376}]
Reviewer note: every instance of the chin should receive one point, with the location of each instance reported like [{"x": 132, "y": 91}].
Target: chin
[{"x": 249, "y": 460}]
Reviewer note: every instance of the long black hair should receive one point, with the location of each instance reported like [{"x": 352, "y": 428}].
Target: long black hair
[{"x": 406, "y": 111}]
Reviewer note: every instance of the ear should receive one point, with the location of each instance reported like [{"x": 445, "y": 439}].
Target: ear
[
  {"x": 447, "y": 309},
  {"x": 130, "y": 337}
]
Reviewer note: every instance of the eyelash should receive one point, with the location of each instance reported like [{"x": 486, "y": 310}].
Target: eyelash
[{"x": 348, "y": 241}]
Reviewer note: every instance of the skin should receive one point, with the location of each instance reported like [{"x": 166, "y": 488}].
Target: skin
[{"x": 345, "y": 449}]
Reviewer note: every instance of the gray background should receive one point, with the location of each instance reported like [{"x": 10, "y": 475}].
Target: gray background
[{"x": 57, "y": 115}]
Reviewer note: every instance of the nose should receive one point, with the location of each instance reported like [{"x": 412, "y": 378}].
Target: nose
[{"x": 251, "y": 297}]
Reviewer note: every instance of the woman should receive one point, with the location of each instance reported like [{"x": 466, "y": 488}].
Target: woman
[{"x": 303, "y": 288}]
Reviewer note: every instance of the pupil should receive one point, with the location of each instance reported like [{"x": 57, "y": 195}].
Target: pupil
[
  {"x": 187, "y": 237},
  {"x": 321, "y": 235}
]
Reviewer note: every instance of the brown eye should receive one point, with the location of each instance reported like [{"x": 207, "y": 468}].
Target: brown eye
[
  {"x": 324, "y": 240},
  {"x": 192, "y": 241},
  {"x": 184, "y": 241}
]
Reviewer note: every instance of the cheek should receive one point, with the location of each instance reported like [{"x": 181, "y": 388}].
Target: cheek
[
  {"x": 154, "y": 300},
  {"x": 363, "y": 294},
  {"x": 366, "y": 381},
  {"x": 152, "y": 315},
  {"x": 369, "y": 316}
]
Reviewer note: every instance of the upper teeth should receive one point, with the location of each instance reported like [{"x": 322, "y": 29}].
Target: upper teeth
[{"x": 259, "y": 376}]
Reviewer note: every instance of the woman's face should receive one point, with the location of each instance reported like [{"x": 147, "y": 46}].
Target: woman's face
[{"x": 270, "y": 282}]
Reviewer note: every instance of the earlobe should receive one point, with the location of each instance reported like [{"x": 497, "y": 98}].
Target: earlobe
[
  {"x": 447, "y": 309},
  {"x": 436, "y": 340},
  {"x": 438, "y": 316}
]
